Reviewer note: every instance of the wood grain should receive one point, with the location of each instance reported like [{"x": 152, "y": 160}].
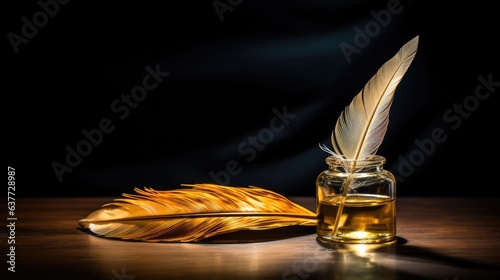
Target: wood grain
[{"x": 438, "y": 238}]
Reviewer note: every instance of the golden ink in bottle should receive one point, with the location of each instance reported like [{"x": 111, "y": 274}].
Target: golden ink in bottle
[{"x": 369, "y": 211}]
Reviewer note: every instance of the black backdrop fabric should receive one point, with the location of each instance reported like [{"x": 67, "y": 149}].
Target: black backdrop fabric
[{"x": 101, "y": 98}]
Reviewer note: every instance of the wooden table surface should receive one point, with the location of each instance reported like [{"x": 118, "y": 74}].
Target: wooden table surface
[{"x": 438, "y": 238}]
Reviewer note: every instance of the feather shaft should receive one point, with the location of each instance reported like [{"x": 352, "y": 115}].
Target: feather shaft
[{"x": 307, "y": 217}]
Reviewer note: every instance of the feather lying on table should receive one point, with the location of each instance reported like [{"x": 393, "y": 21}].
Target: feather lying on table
[{"x": 195, "y": 213}]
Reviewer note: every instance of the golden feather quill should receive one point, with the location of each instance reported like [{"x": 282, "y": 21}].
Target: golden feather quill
[
  {"x": 194, "y": 213},
  {"x": 361, "y": 127}
]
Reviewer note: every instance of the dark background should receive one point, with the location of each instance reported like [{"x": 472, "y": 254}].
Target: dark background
[{"x": 227, "y": 76}]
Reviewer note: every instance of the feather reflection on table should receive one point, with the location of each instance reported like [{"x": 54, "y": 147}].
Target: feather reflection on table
[{"x": 195, "y": 213}]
